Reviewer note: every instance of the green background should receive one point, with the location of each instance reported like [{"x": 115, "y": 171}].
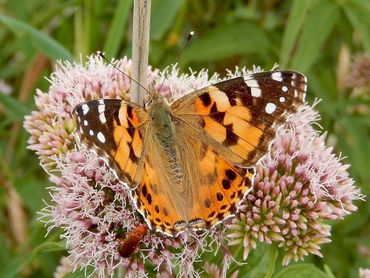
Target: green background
[{"x": 317, "y": 38}]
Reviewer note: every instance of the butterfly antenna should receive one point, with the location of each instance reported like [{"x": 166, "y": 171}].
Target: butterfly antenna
[
  {"x": 191, "y": 34},
  {"x": 125, "y": 74}
]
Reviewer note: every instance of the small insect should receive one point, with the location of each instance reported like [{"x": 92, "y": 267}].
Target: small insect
[
  {"x": 189, "y": 163},
  {"x": 130, "y": 244}
]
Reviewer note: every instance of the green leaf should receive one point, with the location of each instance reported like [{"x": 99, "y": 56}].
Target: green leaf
[
  {"x": 14, "y": 266},
  {"x": 221, "y": 43},
  {"x": 49, "y": 246},
  {"x": 355, "y": 142},
  {"x": 41, "y": 41},
  {"x": 291, "y": 32},
  {"x": 301, "y": 271},
  {"x": 163, "y": 14},
  {"x": 80, "y": 273},
  {"x": 257, "y": 265},
  {"x": 316, "y": 29},
  {"x": 117, "y": 28},
  {"x": 32, "y": 192},
  {"x": 13, "y": 108},
  {"x": 4, "y": 251}
]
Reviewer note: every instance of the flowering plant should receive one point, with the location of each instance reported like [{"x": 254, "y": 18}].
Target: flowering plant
[{"x": 299, "y": 185}]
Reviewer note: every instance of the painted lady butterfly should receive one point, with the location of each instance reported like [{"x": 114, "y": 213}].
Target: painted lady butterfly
[{"x": 187, "y": 163}]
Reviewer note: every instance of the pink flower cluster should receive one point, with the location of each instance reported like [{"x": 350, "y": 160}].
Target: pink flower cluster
[{"x": 299, "y": 184}]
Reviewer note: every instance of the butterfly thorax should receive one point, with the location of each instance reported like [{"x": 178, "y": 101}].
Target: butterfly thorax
[
  {"x": 160, "y": 119},
  {"x": 164, "y": 135}
]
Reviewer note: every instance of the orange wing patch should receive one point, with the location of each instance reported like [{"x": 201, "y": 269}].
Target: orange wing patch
[
  {"x": 153, "y": 203},
  {"x": 225, "y": 187}
]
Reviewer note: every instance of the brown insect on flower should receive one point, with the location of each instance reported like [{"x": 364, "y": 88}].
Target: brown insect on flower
[{"x": 130, "y": 244}]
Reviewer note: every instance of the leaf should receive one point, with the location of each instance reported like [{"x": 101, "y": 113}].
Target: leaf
[
  {"x": 49, "y": 246},
  {"x": 80, "y": 273},
  {"x": 41, "y": 41},
  {"x": 301, "y": 271},
  {"x": 220, "y": 43},
  {"x": 314, "y": 34},
  {"x": 257, "y": 263},
  {"x": 13, "y": 108},
  {"x": 4, "y": 251},
  {"x": 291, "y": 32},
  {"x": 117, "y": 28},
  {"x": 33, "y": 192},
  {"x": 355, "y": 142},
  {"x": 162, "y": 17},
  {"x": 15, "y": 265}
]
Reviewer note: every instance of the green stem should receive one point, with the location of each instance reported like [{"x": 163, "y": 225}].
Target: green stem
[{"x": 272, "y": 255}]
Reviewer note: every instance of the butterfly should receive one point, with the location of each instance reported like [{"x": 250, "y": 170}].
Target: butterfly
[
  {"x": 190, "y": 163},
  {"x": 129, "y": 245}
]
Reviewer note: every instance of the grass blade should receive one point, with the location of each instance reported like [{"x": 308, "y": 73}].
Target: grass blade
[
  {"x": 314, "y": 34},
  {"x": 41, "y": 41},
  {"x": 163, "y": 14},
  {"x": 117, "y": 28},
  {"x": 296, "y": 16},
  {"x": 13, "y": 108},
  {"x": 358, "y": 14},
  {"x": 221, "y": 43}
]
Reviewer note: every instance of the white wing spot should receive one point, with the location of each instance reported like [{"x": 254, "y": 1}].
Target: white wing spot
[
  {"x": 101, "y": 109},
  {"x": 284, "y": 89},
  {"x": 270, "y": 108},
  {"x": 85, "y": 108},
  {"x": 101, "y": 137},
  {"x": 256, "y": 92},
  {"x": 255, "y": 89},
  {"x": 282, "y": 99},
  {"x": 102, "y": 118},
  {"x": 91, "y": 132},
  {"x": 86, "y": 123},
  {"x": 277, "y": 76}
]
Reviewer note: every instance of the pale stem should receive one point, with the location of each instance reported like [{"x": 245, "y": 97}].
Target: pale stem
[{"x": 140, "y": 49}]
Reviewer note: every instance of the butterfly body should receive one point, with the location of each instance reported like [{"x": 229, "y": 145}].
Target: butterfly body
[
  {"x": 131, "y": 243},
  {"x": 189, "y": 163}
]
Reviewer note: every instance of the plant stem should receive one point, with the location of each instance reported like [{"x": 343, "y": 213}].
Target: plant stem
[
  {"x": 272, "y": 260},
  {"x": 140, "y": 49}
]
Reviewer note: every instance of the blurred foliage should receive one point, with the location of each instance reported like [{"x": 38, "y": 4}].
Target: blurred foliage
[{"x": 319, "y": 38}]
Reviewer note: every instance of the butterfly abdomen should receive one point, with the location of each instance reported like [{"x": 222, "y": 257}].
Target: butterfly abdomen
[{"x": 165, "y": 137}]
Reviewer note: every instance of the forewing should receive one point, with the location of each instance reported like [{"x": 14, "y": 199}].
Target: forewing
[
  {"x": 239, "y": 117},
  {"x": 115, "y": 130}
]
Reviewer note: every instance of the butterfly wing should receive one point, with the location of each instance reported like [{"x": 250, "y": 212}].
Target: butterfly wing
[
  {"x": 239, "y": 117},
  {"x": 208, "y": 189},
  {"x": 115, "y": 130}
]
